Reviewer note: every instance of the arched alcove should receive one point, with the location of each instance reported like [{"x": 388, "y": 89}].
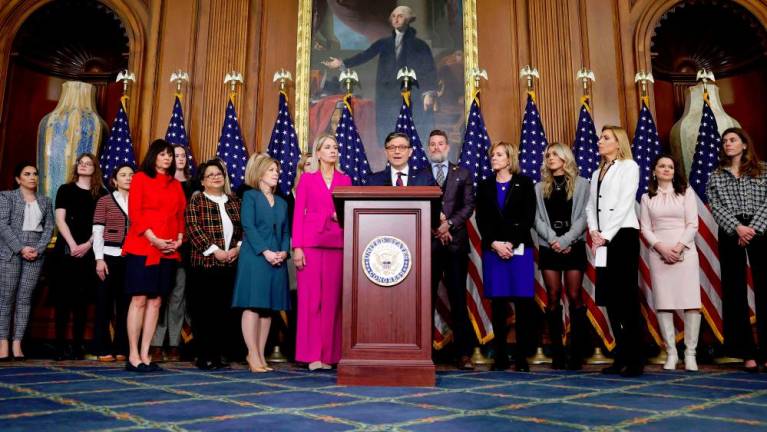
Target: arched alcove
[
  {"x": 736, "y": 53},
  {"x": 45, "y": 42}
]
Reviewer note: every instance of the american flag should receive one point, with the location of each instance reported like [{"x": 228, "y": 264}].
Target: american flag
[
  {"x": 645, "y": 148},
  {"x": 585, "y": 144},
  {"x": 532, "y": 142},
  {"x": 406, "y": 125},
  {"x": 532, "y": 145},
  {"x": 352, "y": 157},
  {"x": 474, "y": 157},
  {"x": 119, "y": 146},
  {"x": 283, "y": 146},
  {"x": 587, "y": 158},
  {"x": 231, "y": 148},
  {"x": 176, "y": 133},
  {"x": 704, "y": 162}
]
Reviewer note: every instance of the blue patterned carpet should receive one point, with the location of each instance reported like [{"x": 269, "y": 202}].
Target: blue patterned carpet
[{"x": 44, "y": 396}]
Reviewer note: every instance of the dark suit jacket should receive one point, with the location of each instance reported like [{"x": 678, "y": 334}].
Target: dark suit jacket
[
  {"x": 416, "y": 55},
  {"x": 457, "y": 205},
  {"x": 415, "y": 178},
  {"x": 513, "y": 222}
]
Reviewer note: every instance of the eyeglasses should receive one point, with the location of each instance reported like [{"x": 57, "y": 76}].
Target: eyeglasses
[
  {"x": 393, "y": 148},
  {"x": 214, "y": 175},
  {"x": 85, "y": 163}
]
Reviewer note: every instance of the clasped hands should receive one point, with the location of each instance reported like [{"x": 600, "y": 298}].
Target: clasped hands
[
  {"x": 275, "y": 258},
  {"x": 505, "y": 250},
  {"x": 556, "y": 247},
  {"x": 443, "y": 231},
  {"x": 166, "y": 246},
  {"x": 745, "y": 234},
  {"x": 227, "y": 256},
  {"x": 670, "y": 255},
  {"x": 29, "y": 253}
]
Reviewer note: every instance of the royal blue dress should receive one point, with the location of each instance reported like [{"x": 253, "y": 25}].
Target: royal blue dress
[{"x": 513, "y": 277}]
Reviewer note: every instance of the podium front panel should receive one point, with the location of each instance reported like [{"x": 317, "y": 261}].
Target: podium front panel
[{"x": 387, "y": 329}]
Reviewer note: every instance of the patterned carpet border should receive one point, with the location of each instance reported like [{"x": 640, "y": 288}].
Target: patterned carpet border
[{"x": 39, "y": 395}]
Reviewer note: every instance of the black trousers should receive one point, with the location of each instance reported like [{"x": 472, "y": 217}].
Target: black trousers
[
  {"x": 111, "y": 307},
  {"x": 210, "y": 303},
  {"x": 73, "y": 286},
  {"x": 738, "y": 336},
  {"x": 452, "y": 265},
  {"x": 524, "y": 310},
  {"x": 618, "y": 289}
]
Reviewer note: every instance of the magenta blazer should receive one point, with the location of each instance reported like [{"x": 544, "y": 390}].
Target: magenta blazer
[{"x": 313, "y": 224}]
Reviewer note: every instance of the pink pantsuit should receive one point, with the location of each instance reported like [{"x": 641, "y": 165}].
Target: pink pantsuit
[
  {"x": 318, "y": 332},
  {"x": 670, "y": 219}
]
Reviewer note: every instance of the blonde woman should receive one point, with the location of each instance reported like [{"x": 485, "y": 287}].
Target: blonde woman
[
  {"x": 613, "y": 224},
  {"x": 262, "y": 277},
  {"x": 561, "y": 198},
  {"x": 505, "y": 215},
  {"x": 318, "y": 255}
]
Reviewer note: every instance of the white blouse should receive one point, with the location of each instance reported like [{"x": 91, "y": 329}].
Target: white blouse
[
  {"x": 226, "y": 221},
  {"x": 33, "y": 217}
]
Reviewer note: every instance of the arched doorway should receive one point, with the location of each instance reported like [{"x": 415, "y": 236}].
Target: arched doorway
[
  {"x": 736, "y": 53},
  {"x": 46, "y": 42}
]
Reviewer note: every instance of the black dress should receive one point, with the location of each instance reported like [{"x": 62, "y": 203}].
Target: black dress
[{"x": 559, "y": 209}]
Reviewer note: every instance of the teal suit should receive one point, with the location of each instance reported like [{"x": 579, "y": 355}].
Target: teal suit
[{"x": 259, "y": 284}]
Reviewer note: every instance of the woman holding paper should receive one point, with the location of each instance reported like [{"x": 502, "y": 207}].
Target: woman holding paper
[
  {"x": 614, "y": 229},
  {"x": 505, "y": 215},
  {"x": 669, "y": 219}
]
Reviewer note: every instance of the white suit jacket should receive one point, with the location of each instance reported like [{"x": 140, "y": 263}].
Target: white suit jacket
[{"x": 614, "y": 208}]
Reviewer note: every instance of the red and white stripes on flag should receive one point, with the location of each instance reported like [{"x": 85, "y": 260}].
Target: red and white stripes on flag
[{"x": 586, "y": 152}]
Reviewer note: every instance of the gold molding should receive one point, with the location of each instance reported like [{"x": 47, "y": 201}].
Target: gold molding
[
  {"x": 470, "y": 51},
  {"x": 303, "y": 53}
]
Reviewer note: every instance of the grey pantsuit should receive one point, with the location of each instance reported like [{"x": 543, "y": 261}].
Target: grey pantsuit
[
  {"x": 173, "y": 313},
  {"x": 18, "y": 277}
]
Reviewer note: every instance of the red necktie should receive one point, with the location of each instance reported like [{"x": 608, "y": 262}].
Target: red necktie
[{"x": 399, "y": 179}]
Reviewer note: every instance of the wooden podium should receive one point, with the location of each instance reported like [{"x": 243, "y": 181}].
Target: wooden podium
[{"x": 387, "y": 316}]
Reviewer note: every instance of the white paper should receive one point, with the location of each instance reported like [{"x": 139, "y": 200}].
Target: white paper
[
  {"x": 520, "y": 249},
  {"x": 600, "y": 257}
]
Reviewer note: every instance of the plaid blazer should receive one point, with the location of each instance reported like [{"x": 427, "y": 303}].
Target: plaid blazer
[
  {"x": 204, "y": 228},
  {"x": 12, "y": 220}
]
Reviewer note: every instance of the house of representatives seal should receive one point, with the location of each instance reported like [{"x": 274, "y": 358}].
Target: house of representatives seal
[{"x": 386, "y": 260}]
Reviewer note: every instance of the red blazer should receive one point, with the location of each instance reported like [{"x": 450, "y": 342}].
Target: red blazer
[
  {"x": 157, "y": 204},
  {"x": 313, "y": 224}
]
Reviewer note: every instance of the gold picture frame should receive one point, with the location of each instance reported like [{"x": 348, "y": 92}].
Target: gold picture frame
[{"x": 303, "y": 57}]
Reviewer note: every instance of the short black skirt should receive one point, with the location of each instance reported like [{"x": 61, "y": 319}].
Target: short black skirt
[
  {"x": 575, "y": 260},
  {"x": 151, "y": 281}
]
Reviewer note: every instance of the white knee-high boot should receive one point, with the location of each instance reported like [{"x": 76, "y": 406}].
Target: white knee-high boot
[
  {"x": 691, "y": 330},
  {"x": 666, "y": 321}
]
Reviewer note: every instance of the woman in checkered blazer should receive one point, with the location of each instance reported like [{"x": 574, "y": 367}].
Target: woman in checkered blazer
[
  {"x": 737, "y": 192},
  {"x": 26, "y": 224}
]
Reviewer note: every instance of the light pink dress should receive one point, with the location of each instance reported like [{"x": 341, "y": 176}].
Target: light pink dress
[
  {"x": 670, "y": 219},
  {"x": 318, "y": 331}
]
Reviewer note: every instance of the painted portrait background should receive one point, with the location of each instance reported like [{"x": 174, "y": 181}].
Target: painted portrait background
[{"x": 345, "y": 28}]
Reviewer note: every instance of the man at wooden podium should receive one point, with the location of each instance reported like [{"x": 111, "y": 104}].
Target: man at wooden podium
[
  {"x": 398, "y": 171},
  {"x": 450, "y": 242}
]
